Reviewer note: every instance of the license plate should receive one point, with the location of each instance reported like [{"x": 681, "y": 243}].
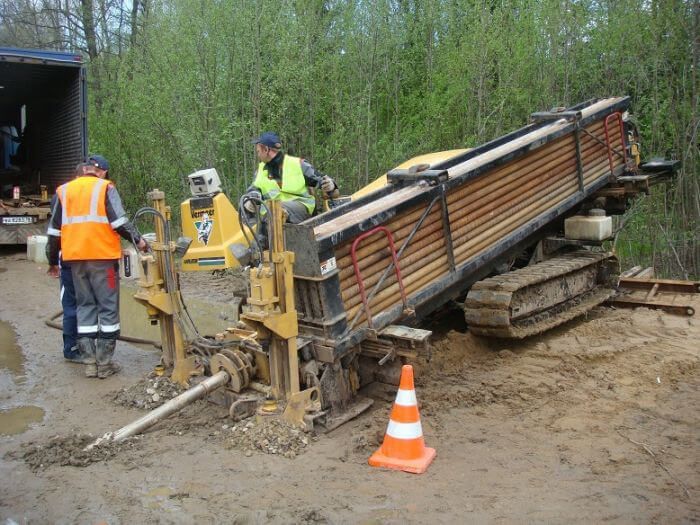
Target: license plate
[{"x": 18, "y": 220}]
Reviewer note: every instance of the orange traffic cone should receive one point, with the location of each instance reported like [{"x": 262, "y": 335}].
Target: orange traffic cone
[{"x": 403, "y": 447}]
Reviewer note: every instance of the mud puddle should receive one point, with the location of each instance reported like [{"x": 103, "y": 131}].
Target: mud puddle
[
  {"x": 11, "y": 357},
  {"x": 18, "y": 420}
]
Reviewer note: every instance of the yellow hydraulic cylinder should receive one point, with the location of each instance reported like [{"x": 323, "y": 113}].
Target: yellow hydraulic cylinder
[
  {"x": 271, "y": 304},
  {"x": 159, "y": 294}
]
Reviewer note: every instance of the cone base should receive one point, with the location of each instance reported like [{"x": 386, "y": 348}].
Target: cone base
[{"x": 414, "y": 466}]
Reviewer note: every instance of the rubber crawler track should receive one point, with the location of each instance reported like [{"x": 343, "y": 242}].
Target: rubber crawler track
[{"x": 541, "y": 296}]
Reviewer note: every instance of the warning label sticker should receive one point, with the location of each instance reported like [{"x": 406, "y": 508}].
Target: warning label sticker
[{"x": 328, "y": 266}]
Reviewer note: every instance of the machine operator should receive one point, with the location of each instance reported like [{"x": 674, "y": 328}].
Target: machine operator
[{"x": 286, "y": 178}]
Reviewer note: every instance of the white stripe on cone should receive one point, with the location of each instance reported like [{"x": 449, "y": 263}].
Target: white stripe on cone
[
  {"x": 404, "y": 430},
  {"x": 406, "y": 398}
]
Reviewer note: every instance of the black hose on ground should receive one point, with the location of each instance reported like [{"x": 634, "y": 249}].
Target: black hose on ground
[{"x": 51, "y": 321}]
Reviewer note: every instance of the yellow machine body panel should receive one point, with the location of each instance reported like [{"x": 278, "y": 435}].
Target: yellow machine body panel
[
  {"x": 429, "y": 158},
  {"x": 212, "y": 224}
]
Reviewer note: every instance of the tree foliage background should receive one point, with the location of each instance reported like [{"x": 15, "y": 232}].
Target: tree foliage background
[{"x": 357, "y": 87}]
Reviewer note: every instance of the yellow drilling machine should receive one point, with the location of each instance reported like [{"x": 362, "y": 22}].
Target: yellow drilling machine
[{"x": 519, "y": 225}]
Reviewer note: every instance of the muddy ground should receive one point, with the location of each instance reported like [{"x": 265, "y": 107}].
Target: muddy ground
[{"x": 597, "y": 421}]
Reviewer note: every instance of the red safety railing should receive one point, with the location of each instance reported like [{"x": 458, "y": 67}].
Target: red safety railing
[{"x": 358, "y": 274}]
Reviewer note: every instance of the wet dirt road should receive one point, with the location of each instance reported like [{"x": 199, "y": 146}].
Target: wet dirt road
[{"x": 596, "y": 421}]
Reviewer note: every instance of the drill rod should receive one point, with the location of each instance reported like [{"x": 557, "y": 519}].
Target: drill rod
[{"x": 174, "y": 405}]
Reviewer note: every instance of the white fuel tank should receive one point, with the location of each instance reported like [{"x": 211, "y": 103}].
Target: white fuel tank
[{"x": 592, "y": 227}]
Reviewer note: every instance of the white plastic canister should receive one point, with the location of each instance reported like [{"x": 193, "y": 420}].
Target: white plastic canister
[
  {"x": 129, "y": 267},
  {"x": 592, "y": 227},
  {"x": 41, "y": 242},
  {"x": 31, "y": 247},
  {"x": 36, "y": 248}
]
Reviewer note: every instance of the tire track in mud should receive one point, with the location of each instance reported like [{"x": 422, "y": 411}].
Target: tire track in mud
[
  {"x": 587, "y": 392},
  {"x": 609, "y": 352}
]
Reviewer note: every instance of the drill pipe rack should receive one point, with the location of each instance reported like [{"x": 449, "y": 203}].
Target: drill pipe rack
[{"x": 451, "y": 223}]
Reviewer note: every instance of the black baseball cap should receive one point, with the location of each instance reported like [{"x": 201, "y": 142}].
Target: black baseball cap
[{"x": 269, "y": 139}]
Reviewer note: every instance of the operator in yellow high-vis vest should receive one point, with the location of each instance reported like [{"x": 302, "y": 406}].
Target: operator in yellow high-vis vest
[{"x": 286, "y": 178}]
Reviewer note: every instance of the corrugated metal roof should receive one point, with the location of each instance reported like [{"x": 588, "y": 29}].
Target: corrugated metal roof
[{"x": 40, "y": 56}]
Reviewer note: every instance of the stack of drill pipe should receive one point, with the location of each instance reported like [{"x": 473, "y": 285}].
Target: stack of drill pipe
[
  {"x": 482, "y": 211},
  {"x": 521, "y": 190}
]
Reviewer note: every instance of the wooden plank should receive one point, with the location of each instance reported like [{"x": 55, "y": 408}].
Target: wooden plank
[
  {"x": 631, "y": 272},
  {"x": 387, "y": 202},
  {"x": 634, "y": 178},
  {"x": 406, "y": 333},
  {"x": 646, "y": 273},
  {"x": 632, "y": 302},
  {"x": 662, "y": 285}
]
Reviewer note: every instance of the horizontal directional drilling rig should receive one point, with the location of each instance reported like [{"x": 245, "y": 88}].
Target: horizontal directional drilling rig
[
  {"x": 518, "y": 225},
  {"x": 529, "y": 211}
]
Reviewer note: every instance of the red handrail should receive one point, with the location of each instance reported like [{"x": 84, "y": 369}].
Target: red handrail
[{"x": 358, "y": 275}]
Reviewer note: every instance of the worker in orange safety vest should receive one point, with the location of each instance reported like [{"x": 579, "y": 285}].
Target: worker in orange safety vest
[{"x": 86, "y": 224}]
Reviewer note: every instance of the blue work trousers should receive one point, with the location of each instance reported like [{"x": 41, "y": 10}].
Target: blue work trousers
[{"x": 70, "y": 311}]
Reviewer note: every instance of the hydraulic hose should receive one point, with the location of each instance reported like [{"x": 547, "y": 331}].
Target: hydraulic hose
[
  {"x": 51, "y": 321},
  {"x": 243, "y": 218},
  {"x": 172, "y": 287}
]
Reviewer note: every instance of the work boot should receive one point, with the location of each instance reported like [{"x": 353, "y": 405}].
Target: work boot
[
  {"x": 86, "y": 346},
  {"x": 75, "y": 355},
  {"x": 105, "y": 366}
]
